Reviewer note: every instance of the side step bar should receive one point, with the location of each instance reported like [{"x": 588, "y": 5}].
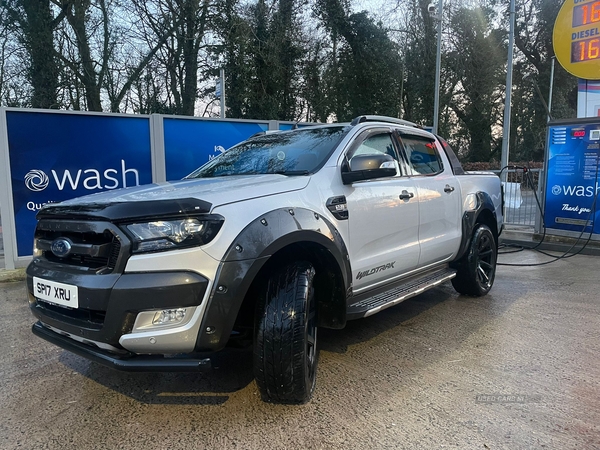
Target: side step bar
[{"x": 414, "y": 286}]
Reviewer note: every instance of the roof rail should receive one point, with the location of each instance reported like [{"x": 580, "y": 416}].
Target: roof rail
[
  {"x": 371, "y": 118},
  {"x": 263, "y": 133}
]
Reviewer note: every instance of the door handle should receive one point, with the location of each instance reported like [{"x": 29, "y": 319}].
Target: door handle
[
  {"x": 448, "y": 188},
  {"x": 406, "y": 195}
]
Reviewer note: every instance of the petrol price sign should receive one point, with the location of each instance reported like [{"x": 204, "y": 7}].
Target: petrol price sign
[
  {"x": 584, "y": 14},
  {"x": 576, "y": 38}
]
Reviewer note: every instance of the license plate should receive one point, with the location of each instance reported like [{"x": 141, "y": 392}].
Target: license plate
[{"x": 58, "y": 293}]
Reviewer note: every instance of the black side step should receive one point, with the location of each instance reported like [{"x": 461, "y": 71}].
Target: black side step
[{"x": 414, "y": 286}]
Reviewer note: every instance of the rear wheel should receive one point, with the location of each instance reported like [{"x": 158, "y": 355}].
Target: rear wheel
[
  {"x": 477, "y": 268},
  {"x": 285, "y": 344}
]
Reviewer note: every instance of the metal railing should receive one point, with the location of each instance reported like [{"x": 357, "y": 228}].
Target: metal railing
[{"x": 520, "y": 206}]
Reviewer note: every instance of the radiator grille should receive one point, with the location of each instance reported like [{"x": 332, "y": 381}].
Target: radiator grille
[{"x": 97, "y": 251}]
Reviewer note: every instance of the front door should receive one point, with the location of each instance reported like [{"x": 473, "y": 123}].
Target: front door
[{"x": 383, "y": 216}]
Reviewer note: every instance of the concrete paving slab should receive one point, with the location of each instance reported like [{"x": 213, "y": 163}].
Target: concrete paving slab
[
  {"x": 8, "y": 276},
  {"x": 517, "y": 369},
  {"x": 527, "y": 238}
]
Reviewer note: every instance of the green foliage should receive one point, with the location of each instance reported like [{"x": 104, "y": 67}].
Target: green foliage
[
  {"x": 36, "y": 23},
  {"x": 310, "y": 60},
  {"x": 262, "y": 59},
  {"x": 533, "y": 38},
  {"x": 419, "y": 58},
  {"x": 368, "y": 65},
  {"x": 475, "y": 73},
  {"x": 363, "y": 75}
]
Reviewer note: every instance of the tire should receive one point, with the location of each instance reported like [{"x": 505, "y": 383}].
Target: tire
[
  {"x": 285, "y": 343},
  {"x": 477, "y": 268}
]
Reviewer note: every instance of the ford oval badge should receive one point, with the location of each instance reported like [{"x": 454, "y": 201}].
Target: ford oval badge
[{"x": 61, "y": 247}]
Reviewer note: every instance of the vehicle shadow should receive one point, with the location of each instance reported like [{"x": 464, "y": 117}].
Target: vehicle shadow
[
  {"x": 439, "y": 315},
  {"x": 231, "y": 372}
]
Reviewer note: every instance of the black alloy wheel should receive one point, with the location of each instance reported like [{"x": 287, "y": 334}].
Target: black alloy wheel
[{"x": 477, "y": 268}]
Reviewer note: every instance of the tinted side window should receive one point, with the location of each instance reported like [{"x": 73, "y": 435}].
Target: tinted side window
[
  {"x": 422, "y": 155},
  {"x": 377, "y": 144},
  {"x": 454, "y": 162},
  {"x": 381, "y": 143}
]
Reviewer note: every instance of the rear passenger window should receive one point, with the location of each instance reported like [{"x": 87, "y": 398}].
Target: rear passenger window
[{"x": 422, "y": 154}]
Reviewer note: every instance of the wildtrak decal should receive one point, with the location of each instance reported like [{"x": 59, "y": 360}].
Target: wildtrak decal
[{"x": 366, "y": 273}]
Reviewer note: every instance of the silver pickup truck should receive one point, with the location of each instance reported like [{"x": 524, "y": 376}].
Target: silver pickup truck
[{"x": 282, "y": 234}]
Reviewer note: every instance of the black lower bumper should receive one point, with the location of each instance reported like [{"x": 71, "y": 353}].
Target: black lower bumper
[
  {"x": 109, "y": 304},
  {"x": 129, "y": 362}
]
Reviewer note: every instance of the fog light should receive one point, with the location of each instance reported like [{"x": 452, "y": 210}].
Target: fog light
[
  {"x": 169, "y": 316},
  {"x": 160, "y": 319}
]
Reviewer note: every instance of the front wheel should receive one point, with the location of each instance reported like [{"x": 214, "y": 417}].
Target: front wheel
[
  {"x": 477, "y": 268},
  {"x": 285, "y": 343}
]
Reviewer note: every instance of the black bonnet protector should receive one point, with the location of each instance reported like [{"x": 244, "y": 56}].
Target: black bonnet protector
[{"x": 115, "y": 212}]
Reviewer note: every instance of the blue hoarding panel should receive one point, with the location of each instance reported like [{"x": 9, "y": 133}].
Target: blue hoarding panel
[
  {"x": 55, "y": 157},
  {"x": 191, "y": 143},
  {"x": 573, "y": 180}
]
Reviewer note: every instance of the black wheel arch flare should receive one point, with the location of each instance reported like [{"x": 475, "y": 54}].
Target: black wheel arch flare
[
  {"x": 264, "y": 237},
  {"x": 470, "y": 220}
]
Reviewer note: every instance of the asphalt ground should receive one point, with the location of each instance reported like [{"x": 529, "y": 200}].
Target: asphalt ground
[{"x": 517, "y": 369}]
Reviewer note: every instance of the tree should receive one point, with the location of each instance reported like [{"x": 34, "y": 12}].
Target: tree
[
  {"x": 363, "y": 71},
  {"x": 533, "y": 38},
  {"x": 289, "y": 60},
  {"x": 420, "y": 50},
  {"x": 178, "y": 55},
  {"x": 317, "y": 90},
  {"x": 263, "y": 51},
  {"x": 90, "y": 73},
  {"x": 36, "y": 24},
  {"x": 91, "y": 22},
  {"x": 234, "y": 53},
  {"x": 476, "y": 63},
  {"x": 14, "y": 87}
]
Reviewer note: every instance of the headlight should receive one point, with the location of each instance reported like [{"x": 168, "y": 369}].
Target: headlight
[{"x": 174, "y": 233}]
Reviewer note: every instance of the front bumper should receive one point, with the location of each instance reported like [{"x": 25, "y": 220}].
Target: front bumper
[
  {"x": 109, "y": 305},
  {"x": 127, "y": 361}
]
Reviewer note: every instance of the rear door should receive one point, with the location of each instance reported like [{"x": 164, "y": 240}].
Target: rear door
[
  {"x": 439, "y": 197},
  {"x": 383, "y": 228}
]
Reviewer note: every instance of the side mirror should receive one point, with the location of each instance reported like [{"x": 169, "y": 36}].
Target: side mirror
[{"x": 368, "y": 167}]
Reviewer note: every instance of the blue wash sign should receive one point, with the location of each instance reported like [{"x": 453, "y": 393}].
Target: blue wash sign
[
  {"x": 573, "y": 179},
  {"x": 55, "y": 157}
]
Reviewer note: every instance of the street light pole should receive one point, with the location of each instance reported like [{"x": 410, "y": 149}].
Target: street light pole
[
  {"x": 507, "y": 102},
  {"x": 551, "y": 86},
  {"x": 438, "y": 67},
  {"x": 222, "y": 81}
]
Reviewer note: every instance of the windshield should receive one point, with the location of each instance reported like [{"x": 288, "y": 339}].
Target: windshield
[{"x": 296, "y": 152}]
